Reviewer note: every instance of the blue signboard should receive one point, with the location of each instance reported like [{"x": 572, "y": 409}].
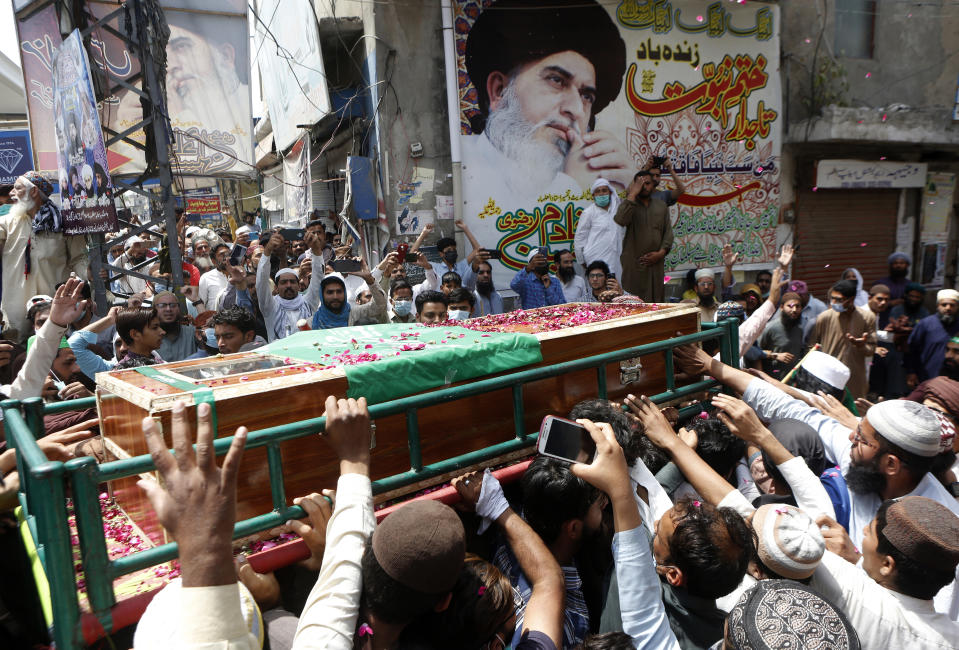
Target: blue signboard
[{"x": 16, "y": 158}]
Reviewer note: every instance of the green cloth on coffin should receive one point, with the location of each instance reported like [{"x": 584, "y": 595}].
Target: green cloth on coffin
[{"x": 384, "y": 362}]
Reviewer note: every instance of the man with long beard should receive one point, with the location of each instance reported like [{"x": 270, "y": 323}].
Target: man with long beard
[
  {"x": 574, "y": 287},
  {"x": 488, "y": 300},
  {"x": 898, "y": 277},
  {"x": 179, "y": 340},
  {"x": 888, "y": 455},
  {"x": 927, "y": 343},
  {"x": 782, "y": 340},
  {"x": 36, "y": 253},
  {"x": 539, "y": 86}
]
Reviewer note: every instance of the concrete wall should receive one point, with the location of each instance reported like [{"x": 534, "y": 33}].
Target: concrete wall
[{"x": 914, "y": 58}]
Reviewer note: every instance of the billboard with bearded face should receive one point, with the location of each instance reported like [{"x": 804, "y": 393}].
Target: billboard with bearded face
[{"x": 555, "y": 94}]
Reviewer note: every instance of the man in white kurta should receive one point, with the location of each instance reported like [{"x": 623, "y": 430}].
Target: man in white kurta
[{"x": 36, "y": 253}]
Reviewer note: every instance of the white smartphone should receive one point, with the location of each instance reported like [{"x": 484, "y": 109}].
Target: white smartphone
[{"x": 565, "y": 440}]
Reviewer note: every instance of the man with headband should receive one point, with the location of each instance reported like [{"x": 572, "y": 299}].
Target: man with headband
[{"x": 36, "y": 253}]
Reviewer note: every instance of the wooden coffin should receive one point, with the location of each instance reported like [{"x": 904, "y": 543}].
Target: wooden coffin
[{"x": 258, "y": 392}]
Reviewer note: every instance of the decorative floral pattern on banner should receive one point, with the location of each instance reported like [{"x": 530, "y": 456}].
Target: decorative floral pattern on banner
[{"x": 700, "y": 86}]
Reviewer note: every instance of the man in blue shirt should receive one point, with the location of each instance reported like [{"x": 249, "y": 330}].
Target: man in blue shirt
[
  {"x": 927, "y": 343},
  {"x": 535, "y": 285}
]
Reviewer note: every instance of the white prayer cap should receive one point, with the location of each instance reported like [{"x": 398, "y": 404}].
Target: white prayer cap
[
  {"x": 191, "y": 229},
  {"x": 533, "y": 253},
  {"x": 37, "y": 299},
  {"x": 827, "y": 368},
  {"x": 131, "y": 241},
  {"x": 947, "y": 294},
  {"x": 286, "y": 271},
  {"x": 243, "y": 230},
  {"x": 906, "y": 424},
  {"x": 705, "y": 273}
]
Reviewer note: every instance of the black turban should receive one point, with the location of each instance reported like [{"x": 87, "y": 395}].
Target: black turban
[{"x": 511, "y": 33}]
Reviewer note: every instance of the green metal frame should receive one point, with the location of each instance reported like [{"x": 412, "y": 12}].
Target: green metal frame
[{"x": 44, "y": 483}]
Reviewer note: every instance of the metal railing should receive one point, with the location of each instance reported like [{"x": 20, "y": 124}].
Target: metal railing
[{"x": 44, "y": 483}]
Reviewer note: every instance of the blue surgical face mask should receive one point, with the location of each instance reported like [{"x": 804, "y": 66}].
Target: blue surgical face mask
[
  {"x": 838, "y": 306},
  {"x": 458, "y": 314},
  {"x": 602, "y": 200},
  {"x": 402, "y": 307}
]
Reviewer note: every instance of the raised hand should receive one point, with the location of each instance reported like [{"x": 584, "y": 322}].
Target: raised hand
[
  {"x": 608, "y": 471},
  {"x": 832, "y": 407},
  {"x": 837, "y": 539},
  {"x": 68, "y": 303},
  {"x": 730, "y": 257},
  {"x": 655, "y": 424},
  {"x": 786, "y": 255},
  {"x": 692, "y": 359},
  {"x": 741, "y": 420},
  {"x": 196, "y": 500}
]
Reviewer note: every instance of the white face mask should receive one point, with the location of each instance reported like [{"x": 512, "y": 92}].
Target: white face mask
[
  {"x": 458, "y": 314},
  {"x": 402, "y": 307}
]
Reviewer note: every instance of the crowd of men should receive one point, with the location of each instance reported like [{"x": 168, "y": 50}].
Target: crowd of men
[{"x": 815, "y": 510}]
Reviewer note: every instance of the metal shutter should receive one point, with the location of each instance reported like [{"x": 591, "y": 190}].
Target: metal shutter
[{"x": 831, "y": 228}]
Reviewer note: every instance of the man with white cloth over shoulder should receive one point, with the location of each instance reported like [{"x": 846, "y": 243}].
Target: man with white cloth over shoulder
[{"x": 598, "y": 237}]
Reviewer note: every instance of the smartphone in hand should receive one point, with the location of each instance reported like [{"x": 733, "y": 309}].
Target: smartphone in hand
[{"x": 565, "y": 440}]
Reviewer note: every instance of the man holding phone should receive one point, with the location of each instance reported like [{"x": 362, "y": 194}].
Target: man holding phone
[
  {"x": 534, "y": 283},
  {"x": 649, "y": 236},
  {"x": 282, "y": 310}
]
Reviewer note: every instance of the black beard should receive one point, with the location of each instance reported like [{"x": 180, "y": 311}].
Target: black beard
[
  {"x": 865, "y": 478},
  {"x": 707, "y": 301},
  {"x": 484, "y": 288},
  {"x": 898, "y": 273},
  {"x": 170, "y": 328},
  {"x": 565, "y": 273},
  {"x": 950, "y": 370},
  {"x": 541, "y": 270},
  {"x": 789, "y": 320}
]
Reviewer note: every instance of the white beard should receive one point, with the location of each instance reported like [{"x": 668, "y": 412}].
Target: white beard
[
  {"x": 510, "y": 132},
  {"x": 23, "y": 209}
]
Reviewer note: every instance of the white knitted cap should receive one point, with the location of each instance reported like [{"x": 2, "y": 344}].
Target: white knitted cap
[
  {"x": 790, "y": 542},
  {"x": 909, "y": 425}
]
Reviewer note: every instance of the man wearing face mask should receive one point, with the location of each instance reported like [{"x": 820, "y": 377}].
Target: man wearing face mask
[
  {"x": 462, "y": 304},
  {"x": 535, "y": 285},
  {"x": 401, "y": 302},
  {"x": 447, "y": 248},
  {"x": 927, "y": 342},
  {"x": 847, "y": 333},
  {"x": 598, "y": 237}
]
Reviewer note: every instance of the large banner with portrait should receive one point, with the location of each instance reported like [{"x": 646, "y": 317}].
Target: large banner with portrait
[
  {"x": 86, "y": 191},
  {"x": 207, "y": 82},
  {"x": 556, "y": 93}
]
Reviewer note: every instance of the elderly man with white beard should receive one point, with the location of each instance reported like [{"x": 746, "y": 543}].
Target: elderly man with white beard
[
  {"x": 542, "y": 70},
  {"x": 36, "y": 253}
]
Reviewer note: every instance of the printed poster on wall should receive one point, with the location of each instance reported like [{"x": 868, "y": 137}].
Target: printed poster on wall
[
  {"x": 296, "y": 176},
  {"x": 600, "y": 90},
  {"x": 86, "y": 190},
  {"x": 287, "y": 47},
  {"x": 937, "y": 206},
  {"x": 16, "y": 158},
  {"x": 208, "y": 87}
]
